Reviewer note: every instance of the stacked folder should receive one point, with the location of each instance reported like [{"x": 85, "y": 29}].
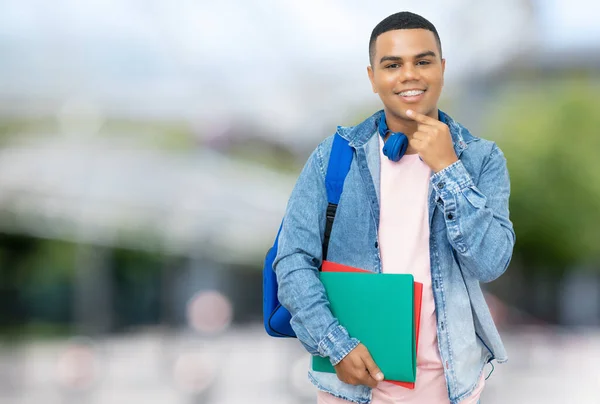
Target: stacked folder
[{"x": 382, "y": 311}]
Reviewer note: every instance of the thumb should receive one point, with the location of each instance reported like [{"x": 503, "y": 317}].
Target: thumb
[{"x": 372, "y": 367}]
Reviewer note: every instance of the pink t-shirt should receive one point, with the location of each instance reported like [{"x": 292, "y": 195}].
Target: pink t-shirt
[{"x": 404, "y": 245}]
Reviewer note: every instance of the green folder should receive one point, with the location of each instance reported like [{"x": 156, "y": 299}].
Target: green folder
[{"x": 378, "y": 309}]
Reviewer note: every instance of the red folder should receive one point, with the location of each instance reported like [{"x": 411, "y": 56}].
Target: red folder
[{"x": 329, "y": 266}]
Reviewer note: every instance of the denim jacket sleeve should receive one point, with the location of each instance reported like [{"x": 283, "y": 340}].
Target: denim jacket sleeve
[
  {"x": 477, "y": 217},
  {"x": 297, "y": 263}
]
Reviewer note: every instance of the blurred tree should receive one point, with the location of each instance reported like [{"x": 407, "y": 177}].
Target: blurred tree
[
  {"x": 136, "y": 277},
  {"x": 550, "y": 136},
  {"x": 15, "y": 252}
]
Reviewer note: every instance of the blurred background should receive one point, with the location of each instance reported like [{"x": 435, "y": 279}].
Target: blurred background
[{"x": 148, "y": 148}]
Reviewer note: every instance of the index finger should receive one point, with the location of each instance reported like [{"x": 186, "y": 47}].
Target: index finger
[{"x": 418, "y": 117}]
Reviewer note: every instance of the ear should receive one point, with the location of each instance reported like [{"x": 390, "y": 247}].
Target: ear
[
  {"x": 371, "y": 74},
  {"x": 443, "y": 70}
]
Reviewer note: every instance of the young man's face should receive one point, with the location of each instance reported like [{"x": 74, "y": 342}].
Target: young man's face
[{"x": 405, "y": 60}]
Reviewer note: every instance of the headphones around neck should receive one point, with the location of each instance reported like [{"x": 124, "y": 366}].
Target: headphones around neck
[{"x": 396, "y": 145}]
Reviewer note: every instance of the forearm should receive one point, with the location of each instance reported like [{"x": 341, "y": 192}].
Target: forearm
[{"x": 303, "y": 295}]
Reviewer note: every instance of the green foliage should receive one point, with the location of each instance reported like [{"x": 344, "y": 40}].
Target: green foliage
[
  {"x": 550, "y": 137},
  {"x": 53, "y": 261}
]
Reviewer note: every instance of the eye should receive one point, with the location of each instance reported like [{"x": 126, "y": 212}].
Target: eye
[
  {"x": 393, "y": 66},
  {"x": 423, "y": 62}
]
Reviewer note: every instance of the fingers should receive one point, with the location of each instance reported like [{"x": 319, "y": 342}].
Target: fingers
[
  {"x": 372, "y": 367},
  {"x": 362, "y": 377},
  {"x": 421, "y": 136},
  {"x": 357, "y": 375},
  {"x": 427, "y": 129},
  {"x": 418, "y": 117},
  {"x": 369, "y": 381},
  {"x": 358, "y": 368},
  {"x": 419, "y": 140}
]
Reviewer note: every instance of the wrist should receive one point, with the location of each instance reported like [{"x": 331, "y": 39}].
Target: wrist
[{"x": 444, "y": 165}]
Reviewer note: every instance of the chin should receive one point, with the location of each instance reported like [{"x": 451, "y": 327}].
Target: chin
[
  {"x": 422, "y": 110},
  {"x": 400, "y": 111}
]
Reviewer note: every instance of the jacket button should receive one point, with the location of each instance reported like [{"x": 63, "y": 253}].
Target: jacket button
[
  {"x": 450, "y": 216},
  {"x": 441, "y": 185}
]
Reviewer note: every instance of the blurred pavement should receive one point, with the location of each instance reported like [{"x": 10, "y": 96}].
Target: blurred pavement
[{"x": 245, "y": 366}]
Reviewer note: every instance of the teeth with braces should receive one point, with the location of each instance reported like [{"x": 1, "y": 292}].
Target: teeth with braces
[{"x": 411, "y": 93}]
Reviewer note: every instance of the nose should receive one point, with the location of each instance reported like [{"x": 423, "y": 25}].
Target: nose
[{"x": 409, "y": 72}]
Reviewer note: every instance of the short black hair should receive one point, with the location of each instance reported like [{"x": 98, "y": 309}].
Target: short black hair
[{"x": 401, "y": 20}]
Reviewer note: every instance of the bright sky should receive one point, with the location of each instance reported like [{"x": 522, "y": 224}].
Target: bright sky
[
  {"x": 570, "y": 23},
  {"x": 279, "y": 61}
]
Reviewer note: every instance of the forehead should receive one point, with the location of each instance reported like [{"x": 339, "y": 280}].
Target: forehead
[{"x": 405, "y": 43}]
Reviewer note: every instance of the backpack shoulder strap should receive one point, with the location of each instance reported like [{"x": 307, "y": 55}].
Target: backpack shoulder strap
[{"x": 337, "y": 170}]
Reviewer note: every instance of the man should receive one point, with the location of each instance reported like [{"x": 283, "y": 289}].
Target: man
[{"x": 439, "y": 212}]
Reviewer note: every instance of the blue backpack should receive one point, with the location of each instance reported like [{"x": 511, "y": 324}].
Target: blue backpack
[{"x": 276, "y": 317}]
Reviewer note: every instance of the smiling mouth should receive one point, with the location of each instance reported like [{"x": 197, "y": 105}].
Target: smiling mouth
[{"x": 411, "y": 93}]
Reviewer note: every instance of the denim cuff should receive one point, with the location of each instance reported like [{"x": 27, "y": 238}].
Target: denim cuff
[
  {"x": 337, "y": 344},
  {"x": 451, "y": 180}
]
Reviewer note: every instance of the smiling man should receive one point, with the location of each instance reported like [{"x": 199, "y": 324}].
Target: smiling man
[{"x": 423, "y": 196}]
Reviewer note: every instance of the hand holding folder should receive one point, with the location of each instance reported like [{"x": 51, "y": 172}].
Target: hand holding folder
[{"x": 382, "y": 311}]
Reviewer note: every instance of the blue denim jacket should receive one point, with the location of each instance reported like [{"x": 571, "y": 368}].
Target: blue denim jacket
[{"x": 471, "y": 241}]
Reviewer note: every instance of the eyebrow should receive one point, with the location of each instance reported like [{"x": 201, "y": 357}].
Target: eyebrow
[{"x": 399, "y": 59}]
